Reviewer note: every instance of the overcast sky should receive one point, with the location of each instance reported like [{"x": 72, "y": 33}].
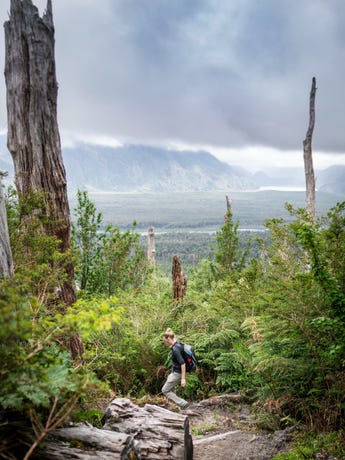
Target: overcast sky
[{"x": 229, "y": 76}]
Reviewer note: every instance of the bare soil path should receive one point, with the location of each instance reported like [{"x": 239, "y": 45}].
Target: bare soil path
[{"x": 223, "y": 430}]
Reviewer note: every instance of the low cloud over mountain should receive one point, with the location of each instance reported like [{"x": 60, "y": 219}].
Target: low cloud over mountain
[
  {"x": 150, "y": 169},
  {"x": 136, "y": 168}
]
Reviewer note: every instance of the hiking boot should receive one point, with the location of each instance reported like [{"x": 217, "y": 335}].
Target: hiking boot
[{"x": 191, "y": 409}]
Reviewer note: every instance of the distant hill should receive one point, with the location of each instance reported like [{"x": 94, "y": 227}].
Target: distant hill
[
  {"x": 138, "y": 168},
  {"x": 331, "y": 180},
  {"x": 135, "y": 168},
  {"x": 280, "y": 177}
]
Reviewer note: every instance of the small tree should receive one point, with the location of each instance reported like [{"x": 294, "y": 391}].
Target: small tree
[
  {"x": 334, "y": 234},
  {"x": 107, "y": 260},
  {"x": 121, "y": 262},
  {"x": 228, "y": 254},
  {"x": 37, "y": 257},
  {"x": 86, "y": 237}
]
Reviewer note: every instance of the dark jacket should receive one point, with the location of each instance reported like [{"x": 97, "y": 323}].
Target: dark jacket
[{"x": 176, "y": 357}]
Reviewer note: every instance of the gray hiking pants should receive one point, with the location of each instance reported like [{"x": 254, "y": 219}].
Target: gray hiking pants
[{"x": 169, "y": 389}]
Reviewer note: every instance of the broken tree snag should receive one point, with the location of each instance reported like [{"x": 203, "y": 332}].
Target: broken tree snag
[
  {"x": 179, "y": 280},
  {"x": 6, "y": 261},
  {"x": 228, "y": 208},
  {"x": 307, "y": 155},
  {"x": 158, "y": 432},
  {"x": 151, "y": 247},
  {"x": 33, "y": 135}
]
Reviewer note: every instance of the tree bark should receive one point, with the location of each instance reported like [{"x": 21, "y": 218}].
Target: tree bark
[
  {"x": 307, "y": 155},
  {"x": 179, "y": 280},
  {"x": 6, "y": 261},
  {"x": 33, "y": 134}
]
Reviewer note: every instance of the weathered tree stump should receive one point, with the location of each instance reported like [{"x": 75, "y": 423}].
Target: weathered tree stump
[
  {"x": 86, "y": 442},
  {"x": 158, "y": 432},
  {"x": 179, "y": 280}
]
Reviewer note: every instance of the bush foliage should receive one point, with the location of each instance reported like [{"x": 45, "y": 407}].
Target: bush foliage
[{"x": 270, "y": 326}]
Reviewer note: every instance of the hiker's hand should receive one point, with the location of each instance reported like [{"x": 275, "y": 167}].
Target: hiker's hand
[{"x": 183, "y": 382}]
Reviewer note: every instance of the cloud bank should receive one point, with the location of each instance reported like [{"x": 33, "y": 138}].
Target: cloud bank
[{"x": 230, "y": 75}]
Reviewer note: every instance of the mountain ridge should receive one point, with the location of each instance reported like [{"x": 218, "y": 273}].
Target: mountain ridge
[
  {"x": 141, "y": 168},
  {"x": 150, "y": 169}
]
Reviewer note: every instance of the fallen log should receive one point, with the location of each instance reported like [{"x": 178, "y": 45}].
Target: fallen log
[
  {"x": 85, "y": 442},
  {"x": 158, "y": 433}
]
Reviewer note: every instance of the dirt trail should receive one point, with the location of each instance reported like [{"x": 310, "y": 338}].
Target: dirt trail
[{"x": 225, "y": 432}]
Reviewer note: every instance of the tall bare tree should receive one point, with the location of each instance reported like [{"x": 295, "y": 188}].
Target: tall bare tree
[
  {"x": 307, "y": 155},
  {"x": 33, "y": 134},
  {"x": 6, "y": 262}
]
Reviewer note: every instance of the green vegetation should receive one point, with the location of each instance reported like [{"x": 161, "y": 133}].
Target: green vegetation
[
  {"x": 267, "y": 322},
  {"x": 316, "y": 445},
  {"x": 108, "y": 260}
]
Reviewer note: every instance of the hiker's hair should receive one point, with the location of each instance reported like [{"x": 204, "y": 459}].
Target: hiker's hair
[{"x": 169, "y": 334}]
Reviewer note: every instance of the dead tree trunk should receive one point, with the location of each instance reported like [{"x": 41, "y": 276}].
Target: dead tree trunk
[
  {"x": 179, "y": 280},
  {"x": 33, "y": 134},
  {"x": 151, "y": 248},
  {"x": 6, "y": 262},
  {"x": 158, "y": 432},
  {"x": 307, "y": 155},
  {"x": 228, "y": 205}
]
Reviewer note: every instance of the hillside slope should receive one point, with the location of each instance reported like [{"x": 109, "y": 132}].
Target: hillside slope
[{"x": 149, "y": 169}]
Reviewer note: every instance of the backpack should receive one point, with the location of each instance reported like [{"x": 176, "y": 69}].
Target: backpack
[{"x": 188, "y": 354}]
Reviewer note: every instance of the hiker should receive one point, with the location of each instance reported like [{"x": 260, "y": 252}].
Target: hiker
[{"x": 178, "y": 373}]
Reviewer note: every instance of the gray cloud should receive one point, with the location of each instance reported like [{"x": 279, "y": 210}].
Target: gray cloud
[{"x": 234, "y": 73}]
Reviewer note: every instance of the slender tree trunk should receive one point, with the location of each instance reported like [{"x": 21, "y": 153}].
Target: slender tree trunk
[
  {"x": 179, "y": 280},
  {"x": 228, "y": 205},
  {"x": 6, "y": 262},
  {"x": 151, "y": 247},
  {"x": 33, "y": 134},
  {"x": 307, "y": 155}
]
